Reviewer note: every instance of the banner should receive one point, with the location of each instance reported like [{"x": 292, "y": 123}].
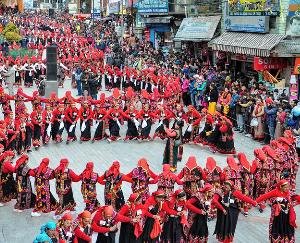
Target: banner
[
  {"x": 268, "y": 63},
  {"x": 254, "y": 7},
  {"x": 252, "y": 24},
  {"x": 293, "y": 19},
  {"x": 153, "y": 6}
]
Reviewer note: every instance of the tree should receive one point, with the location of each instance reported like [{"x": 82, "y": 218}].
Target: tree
[{"x": 11, "y": 33}]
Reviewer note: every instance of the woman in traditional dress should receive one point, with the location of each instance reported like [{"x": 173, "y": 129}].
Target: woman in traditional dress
[
  {"x": 47, "y": 117},
  {"x": 258, "y": 113},
  {"x": 166, "y": 180},
  {"x": 222, "y": 137},
  {"x": 163, "y": 115},
  {"x": 64, "y": 178},
  {"x": 58, "y": 123},
  {"x": 11, "y": 132},
  {"x": 192, "y": 176},
  {"x": 82, "y": 228},
  {"x": 21, "y": 134},
  {"x": 261, "y": 173},
  {"x": 65, "y": 228},
  {"x": 25, "y": 196},
  {"x": 132, "y": 132},
  {"x": 105, "y": 223},
  {"x": 226, "y": 201},
  {"x": 193, "y": 119},
  {"x": 146, "y": 117},
  {"x": 140, "y": 177},
  {"x": 282, "y": 221},
  {"x": 8, "y": 188},
  {"x": 98, "y": 114},
  {"x": 175, "y": 208},
  {"x": 134, "y": 209},
  {"x": 71, "y": 117},
  {"x": 174, "y": 149},
  {"x": 86, "y": 119},
  {"x": 112, "y": 180},
  {"x": 207, "y": 130},
  {"x": 37, "y": 121},
  {"x": 45, "y": 202},
  {"x": 155, "y": 205},
  {"x": 89, "y": 180},
  {"x": 199, "y": 208},
  {"x": 247, "y": 182}
]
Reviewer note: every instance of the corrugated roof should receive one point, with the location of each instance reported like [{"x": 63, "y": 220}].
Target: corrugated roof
[
  {"x": 246, "y": 43},
  {"x": 197, "y": 29}
]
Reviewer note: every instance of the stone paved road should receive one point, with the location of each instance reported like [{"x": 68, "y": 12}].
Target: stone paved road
[{"x": 21, "y": 227}]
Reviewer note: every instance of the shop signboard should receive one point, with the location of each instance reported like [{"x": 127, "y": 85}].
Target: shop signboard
[
  {"x": 268, "y": 63},
  {"x": 293, "y": 88},
  {"x": 293, "y": 19},
  {"x": 254, "y": 7},
  {"x": 252, "y": 24},
  {"x": 152, "y": 6},
  {"x": 72, "y": 8}
]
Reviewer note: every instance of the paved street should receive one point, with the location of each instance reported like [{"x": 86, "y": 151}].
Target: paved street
[{"x": 21, "y": 227}]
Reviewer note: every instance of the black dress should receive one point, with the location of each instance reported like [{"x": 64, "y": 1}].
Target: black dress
[
  {"x": 226, "y": 224},
  {"x": 280, "y": 228},
  {"x": 149, "y": 226},
  {"x": 198, "y": 230}
]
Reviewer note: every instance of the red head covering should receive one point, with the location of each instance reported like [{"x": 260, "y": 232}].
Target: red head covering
[
  {"x": 43, "y": 165},
  {"x": 275, "y": 144},
  {"x": 232, "y": 164},
  {"x": 143, "y": 164},
  {"x": 67, "y": 216},
  {"x": 207, "y": 187},
  {"x": 88, "y": 170},
  {"x": 258, "y": 153},
  {"x": 211, "y": 164},
  {"x": 244, "y": 162},
  {"x": 281, "y": 183},
  {"x": 191, "y": 163},
  {"x": 115, "y": 168},
  {"x": 21, "y": 160},
  {"x": 85, "y": 215},
  {"x": 269, "y": 151},
  {"x": 63, "y": 164},
  {"x": 108, "y": 210}
]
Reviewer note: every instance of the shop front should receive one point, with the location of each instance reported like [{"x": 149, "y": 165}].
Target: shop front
[{"x": 194, "y": 34}]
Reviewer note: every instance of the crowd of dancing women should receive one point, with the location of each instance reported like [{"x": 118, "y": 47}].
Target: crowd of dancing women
[{"x": 143, "y": 99}]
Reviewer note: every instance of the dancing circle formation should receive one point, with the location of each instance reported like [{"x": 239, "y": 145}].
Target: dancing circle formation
[{"x": 140, "y": 98}]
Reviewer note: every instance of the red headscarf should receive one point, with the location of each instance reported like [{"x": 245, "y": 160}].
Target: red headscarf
[
  {"x": 114, "y": 169},
  {"x": 88, "y": 170},
  {"x": 207, "y": 187},
  {"x": 191, "y": 163},
  {"x": 143, "y": 164},
  {"x": 63, "y": 165},
  {"x": 24, "y": 158},
  {"x": 43, "y": 165}
]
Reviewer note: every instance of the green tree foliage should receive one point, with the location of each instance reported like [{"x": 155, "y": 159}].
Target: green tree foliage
[{"x": 11, "y": 33}]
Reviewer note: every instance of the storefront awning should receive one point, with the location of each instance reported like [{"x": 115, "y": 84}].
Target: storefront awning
[
  {"x": 197, "y": 29},
  {"x": 246, "y": 43}
]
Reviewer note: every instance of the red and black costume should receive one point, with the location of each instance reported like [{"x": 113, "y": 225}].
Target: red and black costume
[
  {"x": 86, "y": 120},
  {"x": 37, "y": 121},
  {"x": 282, "y": 221},
  {"x": 71, "y": 117}
]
